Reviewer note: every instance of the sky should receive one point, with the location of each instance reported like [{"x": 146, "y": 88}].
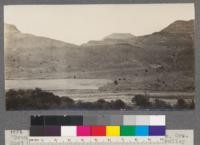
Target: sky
[{"x": 80, "y": 23}]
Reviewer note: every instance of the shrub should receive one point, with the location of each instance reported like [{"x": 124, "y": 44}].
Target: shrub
[
  {"x": 141, "y": 100},
  {"x": 67, "y": 102},
  {"x": 181, "y": 103},
  {"x": 116, "y": 82},
  {"x": 118, "y": 104},
  {"x": 192, "y": 105},
  {"x": 161, "y": 104}
]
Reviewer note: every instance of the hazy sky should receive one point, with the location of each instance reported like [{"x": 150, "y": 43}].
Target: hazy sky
[{"x": 81, "y": 23}]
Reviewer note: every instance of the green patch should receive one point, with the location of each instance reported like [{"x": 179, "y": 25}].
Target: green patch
[{"x": 127, "y": 131}]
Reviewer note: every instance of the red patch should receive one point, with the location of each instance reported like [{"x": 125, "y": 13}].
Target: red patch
[{"x": 98, "y": 130}]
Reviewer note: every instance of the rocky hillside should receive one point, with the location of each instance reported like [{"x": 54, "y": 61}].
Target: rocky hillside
[{"x": 119, "y": 55}]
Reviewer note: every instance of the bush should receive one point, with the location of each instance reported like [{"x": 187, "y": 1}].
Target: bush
[
  {"x": 116, "y": 82},
  {"x": 192, "y": 105},
  {"x": 181, "y": 103},
  {"x": 66, "y": 102},
  {"x": 118, "y": 104},
  {"x": 141, "y": 100},
  {"x": 85, "y": 105},
  {"x": 161, "y": 104}
]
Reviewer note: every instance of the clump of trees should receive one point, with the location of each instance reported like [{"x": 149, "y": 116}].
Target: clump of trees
[
  {"x": 161, "y": 104},
  {"x": 32, "y": 99},
  {"x": 102, "y": 104},
  {"x": 39, "y": 99},
  {"x": 141, "y": 100},
  {"x": 182, "y": 104}
]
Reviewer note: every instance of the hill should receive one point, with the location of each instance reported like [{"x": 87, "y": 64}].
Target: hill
[{"x": 155, "y": 61}]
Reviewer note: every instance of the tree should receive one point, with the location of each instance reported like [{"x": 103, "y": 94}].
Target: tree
[
  {"x": 119, "y": 104},
  {"x": 116, "y": 82},
  {"x": 141, "y": 100},
  {"x": 181, "y": 103},
  {"x": 192, "y": 105},
  {"x": 161, "y": 104}
]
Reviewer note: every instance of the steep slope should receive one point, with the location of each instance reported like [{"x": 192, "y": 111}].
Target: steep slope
[
  {"x": 172, "y": 46},
  {"x": 180, "y": 26},
  {"x": 27, "y": 55}
]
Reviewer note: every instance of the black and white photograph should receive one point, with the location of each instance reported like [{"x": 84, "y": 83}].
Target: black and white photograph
[{"x": 99, "y": 57}]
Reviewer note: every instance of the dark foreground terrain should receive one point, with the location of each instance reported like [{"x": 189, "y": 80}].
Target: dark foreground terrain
[{"x": 43, "y": 100}]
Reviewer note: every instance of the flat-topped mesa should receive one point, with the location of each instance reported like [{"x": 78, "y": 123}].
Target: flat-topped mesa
[
  {"x": 112, "y": 39},
  {"x": 120, "y": 36}
]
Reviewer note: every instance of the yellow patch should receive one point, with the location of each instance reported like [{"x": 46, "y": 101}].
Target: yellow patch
[{"x": 112, "y": 130}]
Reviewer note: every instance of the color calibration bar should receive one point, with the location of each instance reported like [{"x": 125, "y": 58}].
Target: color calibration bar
[
  {"x": 97, "y": 131},
  {"x": 98, "y": 125},
  {"x": 147, "y": 120}
]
